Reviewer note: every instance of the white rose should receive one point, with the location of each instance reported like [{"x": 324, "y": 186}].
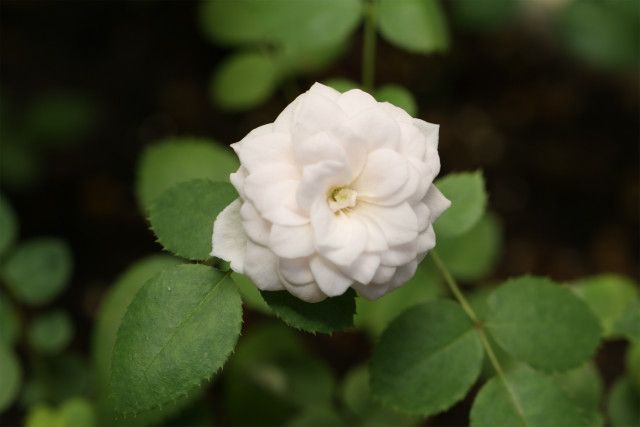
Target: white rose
[{"x": 336, "y": 193}]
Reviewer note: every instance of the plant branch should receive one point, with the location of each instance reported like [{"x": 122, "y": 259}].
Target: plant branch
[
  {"x": 369, "y": 45},
  {"x": 453, "y": 286}
]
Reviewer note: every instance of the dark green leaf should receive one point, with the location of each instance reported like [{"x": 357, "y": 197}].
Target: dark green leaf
[
  {"x": 10, "y": 330},
  {"x": 427, "y": 359},
  {"x": 628, "y": 324},
  {"x": 38, "y": 270},
  {"x": 177, "y": 160},
  {"x": 582, "y": 385},
  {"x": 414, "y": 25},
  {"x": 182, "y": 217},
  {"x": 485, "y": 14},
  {"x": 332, "y": 314},
  {"x": 398, "y": 96},
  {"x": 11, "y": 375},
  {"x": 8, "y": 226},
  {"x": 244, "y": 81},
  {"x": 542, "y": 323},
  {"x": 468, "y": 199},
  {"x": 178, "y": 331},
  {"x": 526, "y": 399},
  {"x": 51, "y": 332},
  {"x": 318, "y": 417},
  {"x": 632, "y": 361},
  {"x": 623, "y": 407}
]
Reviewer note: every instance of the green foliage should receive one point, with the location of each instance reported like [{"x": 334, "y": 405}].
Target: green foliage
[
  {"x": 582, "y": 385},
  {"x": 427, "y": 359},
  {"x": 51, "y": 332},
  {"x": 178, "y": 331},
  {"x": 608, "y": 295},
  {"x": 20, "y": 166},
  {"x": 632, "y": 361},
  {"x": 622, "y": 407},
  {"x": 75, "y": 412},
  {"x": 244, "y": 80},
  {"x": 603, "y": 33},
  {"x": 10, "y": 330},
  {"x": 466, "y": 191},
  {"x": 542, "y": 323},
  {"x": 318, "y": 416},
  {"x": 176, "y": 160},
  {"x": 182, "y": 217},
  {"x": 8, "y": 226},
  {"x": 250, "y": 293},
  {"x": 38, "y": 270},
  {"x": 628, "y": 324},
  {"x": 332, "y": 314},
  {"x": 472, "y": 255},
  {"x": 341, "y": 84},
  {"x": 398, "y": 96},
  {"x": 374, "y": 316},
  {"x": 11, "y": 375},
  {"x": 415, "y": 25},
  {"x": 526, "y": 398},
  {"x": 484, "y": 15}
]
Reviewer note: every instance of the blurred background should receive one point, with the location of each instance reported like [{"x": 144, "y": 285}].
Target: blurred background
[{"x": 542, "y": 95}]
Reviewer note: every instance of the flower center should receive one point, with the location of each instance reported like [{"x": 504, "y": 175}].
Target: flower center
[{"x": 341, "y": 198}]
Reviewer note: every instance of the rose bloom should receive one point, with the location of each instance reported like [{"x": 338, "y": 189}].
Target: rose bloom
[{"x": 337, "y": 192}]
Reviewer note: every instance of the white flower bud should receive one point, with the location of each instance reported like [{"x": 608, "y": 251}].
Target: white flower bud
[{"x": 336, "y": 193}]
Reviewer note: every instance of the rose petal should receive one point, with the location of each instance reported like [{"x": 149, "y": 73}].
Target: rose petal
[
  {"x": 309, "y": 292},
  {"x": 399, "y": 255},
  {"x": 317, "y": 181},
  {"x": 264, "y": 149},
  {"x": 339, "y": 237},
  {"x": 363, "y": 268},
  {"x": 255, "y": 226},
  {"x": 291, "y": 241},
  {"x": 397, "y": 223},
  {"x": 385, "y": 173},
  {"x": 355, "y": 100},
  {"x": 296, "y": 271},
  {"x": 330, "y": 280},
  {"x": 376, "y": 128},
  {"x": 229, "y": 240},
  {"x": 261, "y": 266},
  {"x": 436, "y": 202}
]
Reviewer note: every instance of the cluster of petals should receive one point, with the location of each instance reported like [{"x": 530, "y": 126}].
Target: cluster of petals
[{"x": 336, "y": 193}]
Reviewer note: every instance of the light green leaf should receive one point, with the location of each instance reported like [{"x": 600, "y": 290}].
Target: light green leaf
[
  {"x": 318, "y": 417},
  {"x": 632, "y": 361},
  {"x": 628, "y": 324},
  {"x": 415, "y": 25},
  {"x": 526, "y": 399},
  {"x": 375, "y": 316},
  {"x": 244, "y": 81},
  {"x": 472, "y": 255},
  {"x": 176, "y": 160},
  {"x": 182, "y": 217},
  {"x": 11, "y": 375},
  {"x": 341, "y": 84},
  {"x": 542, "y": 323},
  {"x": 8, "y": 225},
  {"x": 332, "y": 314},
  {"x": 295, "y": 59},
  {"x": 306, "y": 23},
  {"x": 427, "y": 359},
  {"x": 38, "y": 270},
  {"x": 356, "y": 395},
  {"x": 51, "y": 332},
  {"x": 582, "y": 385},
  {"x": 76, "y": 412},
  {"x": 114, "y": 307},
  {"x": 250, "y": 293},
  {"x": 623, "y": 408},
  {"x": 10, "y": 330},
  {"x": 398, "y": 96},
  {"x": 41, "y": 416},
  {"x": 468, "y": 199},
  {"x": 178, "y": 331},
  {"x": 484, "y": 15}
]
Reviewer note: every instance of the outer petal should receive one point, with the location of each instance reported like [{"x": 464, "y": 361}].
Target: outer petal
[
  {"x": 291, "y": 241},
  {"x": 371, "y": 291},
  {"x": 296, "y": 271},
  {"x": 400, "y": 255},
  {"x": 362, "y": 269},
  {"x": 264, "y": 150},
  {"x": 436, "y": 202},
  {"x": 229, "y": 240},
  {"x": 426, "y": 240},
  {"x": 376, "y": 127},
  {"x": 316, "y": 113},
  {"x": 355, "y": 100},
  {"x": 330, "y": 280},
  {"x": 398, "y": 223},
  {"x": 309, "y": 292},
  {"x": 255, "y": 226},
  {"x": 261, "y": 266}
]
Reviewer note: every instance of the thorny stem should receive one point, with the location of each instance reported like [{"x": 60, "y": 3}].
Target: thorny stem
[
  {"x": 369, "y": 45},
  {"x": 455, "y": 290}
]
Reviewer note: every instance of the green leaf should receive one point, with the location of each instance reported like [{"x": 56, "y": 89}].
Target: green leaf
[
  {"x": 526, "y": 399},
  {"x": 178, "y": 331},
  {"x": 628, "y": 324},
  {"x": 341, "y": 84},
  {"x": 632, "y": 361},
  {"x": 51, "y": 332},
  {"x": 608, "y": 295},
  {"x": 468, "y": 202},
  {"x": 356, "y": 396},
  {"x": 472, "y": 255},
  {"x": 11, "y": 375},
  {"x": 244, "y": 81},
  {"x": 250, "y": 293},
  {"x": 415, "y": 25},
  {"x": 182, "y": 217},
  {"x": 542, "y": 323},
  {"x": 20, "y": 164},
  {"x": 176, "y": 160},
  {"x": 10, "y": 330},
  {"x": 305, "y": 23},
  {"x": 398, "y": 96},
  {"x": 38, "y": 270},
  {"x": 114, "y": 307},
  {"x": 485, "y": 15},
  {"x": 427, "y": 359},
  {"x": 8, "y": 226},
  {"x": 623, "y": 408},
  {"x": 76, "y": 412},
  {"x": 375, "y": 316},
  {"x": 582, "y": 385},
  {"x": 332, "y": 314},
  {"x": 318, "y": 417}
]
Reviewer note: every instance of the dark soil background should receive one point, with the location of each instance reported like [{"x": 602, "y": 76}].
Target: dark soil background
[{"x": 558, "y": 141}]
